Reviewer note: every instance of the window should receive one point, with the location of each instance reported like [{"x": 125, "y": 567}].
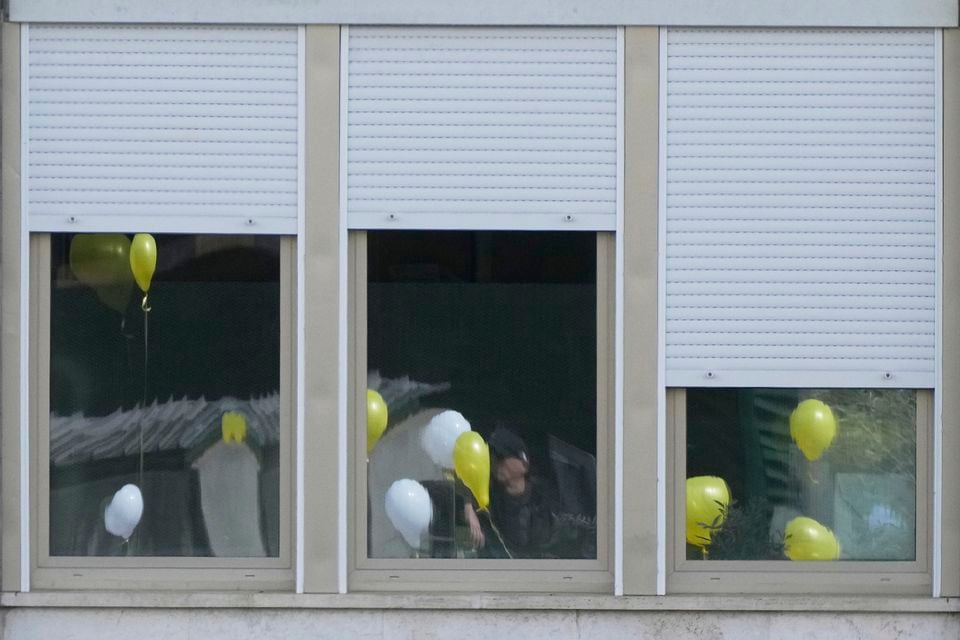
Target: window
[
  {"x": 800, "y": 233},
  {"x": 846, "y": 457},
  {"x": 829, "y": 482},
  {"x": 509, "y": 330},
  {"x": 163, "y": 420},
  {"x": 481, "y": 172}
]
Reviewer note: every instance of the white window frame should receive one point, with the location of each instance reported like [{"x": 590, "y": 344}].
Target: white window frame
[
  {"x": 908, "y": 577},
  {"x": 157, "y": 572}
]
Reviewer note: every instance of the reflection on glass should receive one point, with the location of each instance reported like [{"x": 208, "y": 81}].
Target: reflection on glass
[
  {"x": 173, "y": 405},
  {"x": 495, "y": 333},
  {"x": 811, "y": 474}
]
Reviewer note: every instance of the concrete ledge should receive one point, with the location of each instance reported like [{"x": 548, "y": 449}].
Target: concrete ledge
[{"x": 496, "y": 602}]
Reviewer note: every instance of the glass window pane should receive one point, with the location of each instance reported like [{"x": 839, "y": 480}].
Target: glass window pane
[
  {"x": 500, "y": 327},
  {"x": 180, "y": 402},
  {"x": 810, "y": 474}
]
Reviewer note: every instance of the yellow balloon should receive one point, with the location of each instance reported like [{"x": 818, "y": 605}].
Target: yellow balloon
[
  {"x": 807, "y": 539},
  {"x": 707, "y": 500},
  {"x": 143, "y": 259},
  {"x": 102, "y": 262},
  {"x": 471, "y": 461},
  {"x": 100, "y": 258},
  {"x": 377, "y": 418},
  {"x": 233, "y": 426},
  {"x": 813, "y": 428}
]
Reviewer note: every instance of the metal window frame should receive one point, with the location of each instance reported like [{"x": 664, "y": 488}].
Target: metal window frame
[
  {"x": 771, "y": 576},
  {"x": 151, "y": 572},
  {"x": 588, "y": 576}
]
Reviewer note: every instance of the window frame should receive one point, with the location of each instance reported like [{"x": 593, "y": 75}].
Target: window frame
[
  {"x": 589, "y": 576},
  {"x": 776, "y": 576},
  {"x": 153, "y": 572},
  {"x": 640, "y": 293}
]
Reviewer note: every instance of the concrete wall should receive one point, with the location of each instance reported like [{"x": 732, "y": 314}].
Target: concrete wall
[{"x": 258, "y": 624}]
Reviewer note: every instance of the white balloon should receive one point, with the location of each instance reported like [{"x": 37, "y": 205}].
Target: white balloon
[
  {"x": 441, "y": 434},
  {"x": 124, "y": 511},
  {"x": 410, "y": 510}
]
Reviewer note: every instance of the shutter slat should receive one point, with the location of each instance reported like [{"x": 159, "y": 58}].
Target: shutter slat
[
  {"x": 44, "y": 162},
  {"x": 747, "y": 317},
  {"x": 476, "y": 206},
  {"x": 844, "y": 264},
  {"x": 826, "y": 327},
  {"x": 735, "y": 115},
  {"x": 920, "y": 175},
  {"x": 745, "y": 279},
  {"x": 784, "y": 78},
  {"x": 850, "y": 38},
  {"x": 209, "y": 148},
  {"x": 59, "y": 175},
  {"x": 509, "y": 38}
]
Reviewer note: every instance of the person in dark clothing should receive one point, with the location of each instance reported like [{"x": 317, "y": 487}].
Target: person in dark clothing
[{"x": 521, "y": 505}]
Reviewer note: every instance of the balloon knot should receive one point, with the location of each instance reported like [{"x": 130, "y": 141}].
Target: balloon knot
[{"x": 143, "y": 304}]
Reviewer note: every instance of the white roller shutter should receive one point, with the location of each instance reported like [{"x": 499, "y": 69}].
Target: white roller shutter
[
  {"x": 502, "y": 128},
  {"x": 800, "y": 205},
  {"x": 162, "y": 128}
]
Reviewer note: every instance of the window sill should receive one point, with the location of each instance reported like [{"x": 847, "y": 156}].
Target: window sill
[{"x": 220, "y": 600}]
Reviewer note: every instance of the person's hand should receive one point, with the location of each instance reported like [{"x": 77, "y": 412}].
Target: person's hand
[{"x": 476, "y": 531}]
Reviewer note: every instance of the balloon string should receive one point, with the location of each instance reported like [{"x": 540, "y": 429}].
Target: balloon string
[
  {"x": 497, "y": 531},
  {"x": 453, "y": 510},
  {"x": 146, "y": 359}
]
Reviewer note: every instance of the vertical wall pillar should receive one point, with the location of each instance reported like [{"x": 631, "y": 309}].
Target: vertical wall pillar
[{"x": 640, "y": 392}]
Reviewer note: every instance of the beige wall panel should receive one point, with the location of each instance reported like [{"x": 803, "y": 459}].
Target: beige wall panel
[
  {"x": 320, "y": 349},
  {"x": 641, "y": 124},
  {"x": 950, "y": 537},
  {"x": 10, "y": 308}
]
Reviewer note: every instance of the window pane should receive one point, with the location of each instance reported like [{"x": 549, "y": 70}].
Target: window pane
[
  {"x": 181, "y": 402},
  {"x": 811, "y": 474},
  {"x": 500, "y": 327}
]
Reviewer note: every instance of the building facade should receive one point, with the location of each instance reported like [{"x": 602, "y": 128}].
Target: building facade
[{"x": 567, "y": 320}]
